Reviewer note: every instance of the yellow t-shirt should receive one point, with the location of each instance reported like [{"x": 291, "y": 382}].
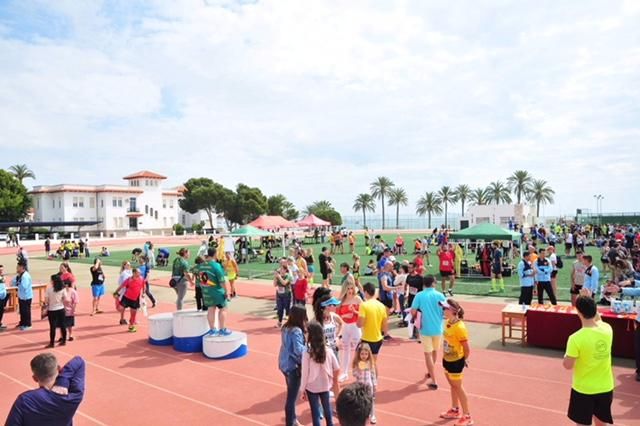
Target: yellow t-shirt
[
  {"x": 454, "y": 335},
  {"x": 373, "y": 313},
  {"x": 591, "y": 346}
]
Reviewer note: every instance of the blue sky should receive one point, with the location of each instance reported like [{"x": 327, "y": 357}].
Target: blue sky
[{"x": 315, "y": 99}]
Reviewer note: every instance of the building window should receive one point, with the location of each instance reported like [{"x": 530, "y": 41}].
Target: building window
[
  {"x": 146, "y": 209},
  {"x": 170, "y": 204},
  {"x": 156, "y": 215},
  {"x": 115, "y": 202},
  {"x": 81, "y": 202},
  {"x": 59, "y": 203},
  {"x": 102, "y": 204},
  {"x": 92, "y": 203},
  {"x": 164, "y": 222},
  {"x": 184, "y": 220},
  {"x": 164, "y": 203},
  {"x": 151, "y": 211},
  {"x": 120, "y": 202},
  {"x": 75, "y": 201},
  {"x": 53, "y": 204},
  {"x": 38, "y": 203}
]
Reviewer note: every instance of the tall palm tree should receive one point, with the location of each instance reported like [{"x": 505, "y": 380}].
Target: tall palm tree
[
  {"x": 428, "y": 204},
  {"x": 541, "y": 194},
  {"x": 479, "y": 196},
  {"x": 364, "y": 202},
  {"x": 446, "y": 195},
  {"x": 498, "y": 192},
  {"x": 380, "y": 189},
  {"x": 462, "y": 194},
  {"x": 21, "y": 172},
  {"x": 398, "y": 197},
  {"x": 520, "y": 184},
  {"x": 317, "y": 206}
]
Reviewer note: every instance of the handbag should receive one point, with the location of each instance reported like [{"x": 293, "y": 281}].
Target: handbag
[{"x": 44, "y": 311}]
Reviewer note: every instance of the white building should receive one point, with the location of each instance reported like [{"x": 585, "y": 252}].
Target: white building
[
  {"x": 499, "y": 214},
  {"x": 142, "y": 205}
]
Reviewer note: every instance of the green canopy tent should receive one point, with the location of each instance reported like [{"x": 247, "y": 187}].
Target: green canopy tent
[
  {"x": 250, "y": 231},
  {"x": 485, "y": 232}
]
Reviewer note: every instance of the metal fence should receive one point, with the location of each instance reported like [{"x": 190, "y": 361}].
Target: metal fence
[{"x": 404, "y": 221}]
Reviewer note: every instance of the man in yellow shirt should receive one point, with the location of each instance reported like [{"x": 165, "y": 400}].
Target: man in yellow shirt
[
  {"x": 589, "y": 355},
  {"x": 372, "y": 319}
]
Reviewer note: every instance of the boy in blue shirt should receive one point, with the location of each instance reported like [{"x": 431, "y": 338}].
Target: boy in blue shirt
[
  {"x": 25, "y": 295},
  {"x": 525, "y": 275},
  {"x": 543, "y": 270},
  {"x": 3, "y": 297}
]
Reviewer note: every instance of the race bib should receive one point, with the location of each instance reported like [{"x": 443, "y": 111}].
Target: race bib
[
  {"x": 413, "y": 291},
  {"x": 100, "y": 277},
  {"x": 280, "y": 290},
  {"x": 446, "y": 347},
  {"x": 445, "y": 263}
]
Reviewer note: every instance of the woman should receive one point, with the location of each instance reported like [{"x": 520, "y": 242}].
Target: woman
[
  {"x": 310, "y": 264},
  {"x": 133, "y": 289},
  {"x": 54, "y": 303},
  {"x": 324, "y": 311},
  {"x": 282, "y": 281},
  {"x": 355, "y": 270},
  {"x": 351, "y": 334},
  {"x": 231, "y": 269},
  {"x": 66, "y": 274},
  {"x": 180, "y": 274},
  {"x": 320, "y": 371},
  {"x": 145, "y": 270},
  {"x": 125, "y": 274},
  {"x": 97, "y": 285},
  {"x": 290, "y": 359}
]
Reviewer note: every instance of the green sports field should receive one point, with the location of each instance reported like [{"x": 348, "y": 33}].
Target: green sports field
[{"x": 474, "y": 286}]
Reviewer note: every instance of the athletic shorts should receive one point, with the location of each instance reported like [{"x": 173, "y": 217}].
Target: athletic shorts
[
  {"x": 128, "y": 303},
  {"x": 324, "y": 274},
  {"x": 576, "y": 290},
  {"x": 97, "y": 290},
  {"x": 497, "y": 269},
  {"x": 444, "y": 274},
  {"x": 583, "y": 407},
  {"x": 454, "y": 368},
  {"x": 211, "y": 296},
  {"x": 69, "y": 322},
  {"x": 430, "y": 343},
  {"x": 375, "y": 346},
  {"x": 554, "y": 273},
  {"x": 568, "y": 246},
  {"x": 387, "y": 301}
]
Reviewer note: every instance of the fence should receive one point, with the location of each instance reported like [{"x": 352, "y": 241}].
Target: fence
[{"x": 404, "y": 221}]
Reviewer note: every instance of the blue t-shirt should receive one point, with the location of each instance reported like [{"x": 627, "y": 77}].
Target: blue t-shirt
[{"x": 427, "y": 302}]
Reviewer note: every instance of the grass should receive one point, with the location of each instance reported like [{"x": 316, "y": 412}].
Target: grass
[{"x": 463, "y": 285}]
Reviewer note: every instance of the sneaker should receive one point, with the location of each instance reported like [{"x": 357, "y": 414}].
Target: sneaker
[
  {"x": 212, "y": 332},
  {"x": 279, "y": 325},
  {"x": 132, "y": 329},
  {"x": 62, "y": 344},
  {"x": 225, "y": 332},
  {"x": 450, "y": 293},
  {"x": 123, "y": 322},
  {"x": 70, "y": 339},
  {"x": 465, "y": 420},
  {"x": 49, "y": 346},
  {"x": 3, "y": 327},
  {"x": 452, "y": 413},
  {"x": 25, "y": 327},
  {"x": 373, "y": 419}
]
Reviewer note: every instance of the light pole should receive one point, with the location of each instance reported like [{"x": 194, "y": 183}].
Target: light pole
[{"x": 599, "y": 198}]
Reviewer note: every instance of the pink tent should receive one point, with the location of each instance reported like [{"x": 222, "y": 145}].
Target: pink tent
[
  {"x": 272, "y": 222},
  {"x": 313, "y": 220}
]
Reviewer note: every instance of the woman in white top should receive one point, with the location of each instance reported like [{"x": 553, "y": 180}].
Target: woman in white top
[
  {"x": 324, "y": 311},
  {"x": 400, "y": 284},
  {"x": 125, "y": 273},
  {"x": 54, "y": 303}
]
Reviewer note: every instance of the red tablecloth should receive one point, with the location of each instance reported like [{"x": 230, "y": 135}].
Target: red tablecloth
[{"x": 551, "y": 329}]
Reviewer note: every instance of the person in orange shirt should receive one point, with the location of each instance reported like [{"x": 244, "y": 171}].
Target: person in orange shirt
[{"x": 399, "y": 249}]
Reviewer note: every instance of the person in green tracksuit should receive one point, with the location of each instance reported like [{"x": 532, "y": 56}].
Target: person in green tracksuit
[{"x": 215, "y": 293}]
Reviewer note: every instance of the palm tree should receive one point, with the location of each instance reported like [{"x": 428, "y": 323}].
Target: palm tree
[
  {"x": 462, "y": 194},
  {"x": 429, "y": 204},
  {"x": 364, "y": 202},
  {"x": 379, "y": 189},
  {"x": 21, "y": 172},
  {"x": 479, "y": 196},
  {"x": 446, "y": 195},
  {"x": 498, "y": 192},
  {"x": 317, "y": 206},
  {"x": 398, "y": 197},
  {"x": 520, "y": 184},
  {"x": 541, "y": 194}
]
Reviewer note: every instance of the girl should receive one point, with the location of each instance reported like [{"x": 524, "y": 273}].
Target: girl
[
  {"x": 97, "y": 285},
  {"x": 231, "y": 269},
  {"x": 456, "y": 353},
  {"x": 54, "y": 303},
  {"x": 66, "y": 274},
  {"x": 125, "y": 274},
  {"x": 133, "y": 290},
  {"x": 70, "y": 302},
  {"x": 320, "y": 371},
  {"x": 351, "y": 334},
  {"x": 364, "y": 371},
  {"x": 325, "y": 314},
  {"x": 290, "y": 359}
]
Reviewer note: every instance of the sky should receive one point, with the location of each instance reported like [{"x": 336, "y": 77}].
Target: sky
[{"x": 315, "y": 99}]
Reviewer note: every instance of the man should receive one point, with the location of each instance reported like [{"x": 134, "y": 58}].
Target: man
[
  {"x": 25, "y": 295},
  {"x": 354, "y": 404},
  {"x": 347, "y": 278},
  {"x": 632, "y": 292},
  {"x": 385, "y": 285},
  {"x": 4, "y": 297},
  {"x": 23, "y": 257},
  {"x": 428, "y": 303},
  {"x": 591, "y": 274},
  {"x": 446, "y": 268},
  {"x": 577, "y": 277},
  {"x": 326, "y": 269},
  {"x": 553, "y": 260},
  {"x": 496, "y": 268},
  {"x": 589, "y": 355},
  {"x": 56, "y": 400},
  {"x": 215, "y": 293},
  {"x": 525, "y": 275},
  {"x": 543, "y": 269},
  {"x": 414, "y": 286},
  {"x": 372, "y": 319}
]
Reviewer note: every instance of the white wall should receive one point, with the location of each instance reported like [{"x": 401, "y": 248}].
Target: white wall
[{"x": 499, "y": 214}]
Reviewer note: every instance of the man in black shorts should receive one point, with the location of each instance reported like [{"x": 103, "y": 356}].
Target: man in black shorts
[{"x": 325, "y": 267}]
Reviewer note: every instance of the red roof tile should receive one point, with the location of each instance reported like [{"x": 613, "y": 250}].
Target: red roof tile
[{"x": 144, "y": 174}]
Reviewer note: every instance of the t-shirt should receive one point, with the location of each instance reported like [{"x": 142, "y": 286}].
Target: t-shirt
[
  {"x": 553, "y": 260},
  {"x": 212, "y": 275},
  {"x": 497, "y": 257},
  {"x": 300, "y": 289},
  {"x": 454, "y": 335},
  {"x": 446, "y": 261},
  {"x": 415, "y": 283},
  {"x": 374, "y": 313},
  {"x": 316, "y": 377},
  {"x": 55, "y": 299},
  {"x": 591, "y": 346},
  {"x": 285, "y": 289},
  {"x": 133, "y": 288},
  {"x": 427, "y": 302},
  {"x": 180, "y": 266},
  {"x": 578, "y": 272},
  {"x": 323, "y": 259},
  {"x": 418, "y": 263}
]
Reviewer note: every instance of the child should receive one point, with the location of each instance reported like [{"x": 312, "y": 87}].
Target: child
[
  {"x": 364, "y": 371},
  {"x": 456, "y": 353},
  {"x": 133, "y": 289},
  {"x": 300, "y": 290},
  {"x": 125, "y": 273},
  {"x": 4, "y": 297},
  {"x": 70, "y": 302}
]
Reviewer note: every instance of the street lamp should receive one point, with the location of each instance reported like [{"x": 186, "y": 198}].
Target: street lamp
[{"x": 599, "y": 198}]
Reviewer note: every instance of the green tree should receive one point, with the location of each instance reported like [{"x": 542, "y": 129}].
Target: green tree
[
  {"x": 250, "y": 203},
  {"x": 278, "y": 205},
  {"x": 446, "y": 195},
  {"x": 380, "y": 189},
  {"x": 364, "y": 202},
  {"x": 462, "y": 194},
  {"x": 498, "y": 193},
  {"x": 541, "y": 193},
  {"x": 21, "y": 172},
  {"x": 316, "y": 206},
  {"x": 330, "y": 215},
  {"x": 14, "y": 200},
  {"x": 398, "y": 197},
  {"x": 203, "y": 194},
  {"x": 479, "y": 196},
  {"x": 520, "y": 184},
  {"x": 429, "y": 204}
]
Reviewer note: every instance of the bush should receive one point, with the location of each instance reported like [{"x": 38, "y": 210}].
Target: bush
[
  {"x": 179, "y": 229},
  {"x": 197, "y": 227}
]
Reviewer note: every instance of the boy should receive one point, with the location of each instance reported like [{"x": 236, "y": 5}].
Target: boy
[
  {"x": 215, "y": 293},
  {"x": 543, "y": 270}
]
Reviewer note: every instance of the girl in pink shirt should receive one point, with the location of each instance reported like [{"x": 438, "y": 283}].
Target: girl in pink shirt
[{"x": 133, "y": 288}]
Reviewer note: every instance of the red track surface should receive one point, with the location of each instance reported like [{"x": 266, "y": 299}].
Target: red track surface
[{"x": 131, "y": 382}]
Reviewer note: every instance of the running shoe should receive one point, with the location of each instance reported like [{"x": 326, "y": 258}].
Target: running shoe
[
  {"x": 132, "y": 329},
  {"x": 373, "y": 419},
  {"x": 465, "y": 420},
  {"x": 453, "y": 413},
  {"x": 225, "y": 332},
  {"x": 123, "y": 322},
  {"x": 213, "y": 332},
  {"x": 25, "y": 327},
  {"x": 3, "y": 327},
  {"x": 450, "y": 293}
]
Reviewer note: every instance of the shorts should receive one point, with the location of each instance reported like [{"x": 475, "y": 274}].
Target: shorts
[
  {"x": 444, "y": 274},
  {"x": 325, "y": 274},
  {"x": 128, "y": 303},
  {"x": 454, "y": 368},
  {"x": 386, "y": 301},
  {"x": 375, "y": 346},
  {"x": 576, "y": 290},
  {"x": 605, "y": 260},
  {"x": 497, "y": 269},
  {"x": 568, "y": 246},
  {"x": 232, "y": 277},
  {"x": 69, "y": 322},
  {"x": 583, "y": 407},
  {"x": 431, "y": 343},
  {"x": 311, "y": 268},
  {"x": 214, "y": 297},
  {"x": 554, "y": 273},
  {"x": 97, "y": 290}
]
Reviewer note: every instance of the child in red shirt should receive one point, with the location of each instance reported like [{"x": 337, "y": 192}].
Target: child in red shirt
[
  {"x": 133, "y": 288},
  {"x": 300, "y": 291}
]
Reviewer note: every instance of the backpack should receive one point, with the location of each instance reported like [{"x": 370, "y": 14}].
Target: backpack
[{"x": 559, "y": 263}]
